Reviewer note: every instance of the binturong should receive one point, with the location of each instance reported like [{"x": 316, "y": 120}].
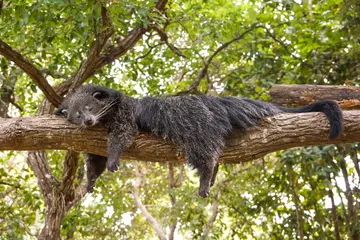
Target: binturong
[{"x": 198, "y": 125}]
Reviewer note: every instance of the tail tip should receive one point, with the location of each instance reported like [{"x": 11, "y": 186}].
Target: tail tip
[{"x": 335, "y": 130}]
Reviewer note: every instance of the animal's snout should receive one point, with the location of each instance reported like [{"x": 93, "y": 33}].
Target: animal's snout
[{"x": 88, "y": 122}]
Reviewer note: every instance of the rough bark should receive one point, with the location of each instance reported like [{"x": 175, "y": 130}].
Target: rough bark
[
  {"x": 55, "y": 213},
  {"x": 275, "y": 133},
  {"x": 346, "y": 96},
  {"x": 30, "y": 70},
  {"x": 5, "y": 97},
  {"x": 58, "y": 196}
]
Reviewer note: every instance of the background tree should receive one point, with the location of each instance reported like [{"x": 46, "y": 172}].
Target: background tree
[{"x": 177, "y": 47}]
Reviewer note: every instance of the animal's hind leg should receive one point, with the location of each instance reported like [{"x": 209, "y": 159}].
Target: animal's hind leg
[
  {"x": 206, "y": 174},
  {"x": 95, "y": 167}
]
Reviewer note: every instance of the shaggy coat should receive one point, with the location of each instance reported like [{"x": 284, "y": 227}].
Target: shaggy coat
[{"x": 198, "y": 125}]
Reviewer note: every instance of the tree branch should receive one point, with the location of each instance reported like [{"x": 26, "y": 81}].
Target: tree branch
[
  {"x": 204, "y": 70},
  {"x": 286, "y": 47},
  {"x": 293, "y": 94},
  {"x": 42, "y": 171},
  {"x": 54, "y": 74},
  {"x": 141, "y": 206},
  {"x": 214, "y": 213},
  {"x": 32, "y": 71},
  {"x": 275, "y": 133},
  {"x": 172, "y": 185},
  {"x": 96, "y": 60},
  {"x": 98, "y": 56},
  {"x": 164, "y": 37},
  {"x": 71, "y": 163},
  {"x": 80, "y": 192},
  {"x": 88, "y": 67}
]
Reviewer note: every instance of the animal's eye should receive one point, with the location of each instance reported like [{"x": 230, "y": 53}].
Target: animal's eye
[
  {"x": 88, "y": 108},
  {"x": 64, "y": 112},
  {"x": 98, "y": 95}
]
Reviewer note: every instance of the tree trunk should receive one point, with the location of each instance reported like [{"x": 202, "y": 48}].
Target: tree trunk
[{"x": 54, "y": 214}]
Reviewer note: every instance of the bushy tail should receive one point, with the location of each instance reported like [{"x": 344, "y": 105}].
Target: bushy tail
[{"x": 332, "y": 111}]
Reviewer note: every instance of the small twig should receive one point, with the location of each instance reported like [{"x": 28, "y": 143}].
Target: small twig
[
  {"x": 12, "y": 101},
  {"x": 55, "y": 74},
  {"x": 4, "y": 194},
  {"x": 16, "y": 185},
  {"x": 142, "y": 208},
  {"x": 214, "y": 213},
  {"x": 285, "y": 47},
  {"x": 172, "y": 185},
  {"x": 171, "y": 175},
  {"x": 148, "y": 52},
  {"x": 164, "y": 37},
  {"x": 27, "y": 230},
  {"x": 298, "y": 210},
  {"x": 202, "y": 73},
  {"x": 81, "y": 174}
]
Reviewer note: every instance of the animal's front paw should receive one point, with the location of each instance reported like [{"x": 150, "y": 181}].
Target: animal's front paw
[
  {"x": 112, "y": 166},
  {"x": 204, "y": 192}
]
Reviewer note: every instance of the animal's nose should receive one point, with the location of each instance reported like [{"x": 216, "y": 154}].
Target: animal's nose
[{"x": 88, "y": 121}]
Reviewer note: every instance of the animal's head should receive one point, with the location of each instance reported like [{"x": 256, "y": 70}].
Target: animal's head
[{"x": 89, "y": 104}]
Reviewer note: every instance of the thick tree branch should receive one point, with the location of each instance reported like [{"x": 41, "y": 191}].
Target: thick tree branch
[
  {"x": 279, "y": 132},
  {"x": 285, "y": 94},
  {"x": 30, "y": 70},
  {"x": 80, "y": 192},
  {"x": 69, "y": 174},
  {"x": 46, "y": 180}
]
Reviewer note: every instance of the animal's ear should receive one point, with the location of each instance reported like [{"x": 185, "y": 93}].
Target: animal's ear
[
  {"x": 99, "y": 95},
  {"x": 62, "y": 111}
]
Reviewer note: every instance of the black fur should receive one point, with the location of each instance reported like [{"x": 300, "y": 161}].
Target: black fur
[{"x": 197, "y": 124}]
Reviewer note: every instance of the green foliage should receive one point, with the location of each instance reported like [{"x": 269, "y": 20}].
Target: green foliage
[
  {"x": 21, "y": 204},
  {"x": 289, "y": 43}
]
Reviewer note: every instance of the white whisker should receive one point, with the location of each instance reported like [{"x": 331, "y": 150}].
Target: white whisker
[{"x": 105, "y": 109}]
